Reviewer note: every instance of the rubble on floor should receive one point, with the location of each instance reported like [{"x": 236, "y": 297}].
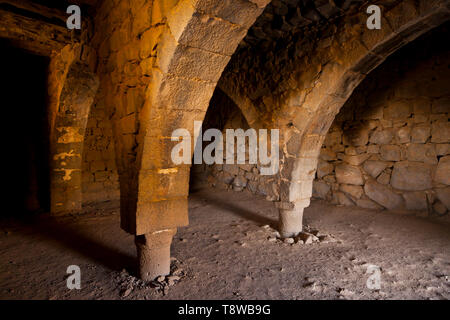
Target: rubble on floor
[
  {"x": 307, "y": 236},
  {"x": 129, "y": 283}
]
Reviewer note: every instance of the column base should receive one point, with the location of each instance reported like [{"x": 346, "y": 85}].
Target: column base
[
  {"x": 291, "y": 222},
  {"x": 153, "y": 250}
]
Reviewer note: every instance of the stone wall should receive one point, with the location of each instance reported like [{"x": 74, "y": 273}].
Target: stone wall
[
  {"x": 223, "y": 114},
  {"x": 389, "y": 145},
  {"x": 100, "y": 181}
]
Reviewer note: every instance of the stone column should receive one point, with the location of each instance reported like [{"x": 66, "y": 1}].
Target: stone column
[
  {"x": 295, "y": 193},
  {"x": 153, "y": 250},
  {"x": 298, "y": 196},
  {"x": 290, "y": 222}
]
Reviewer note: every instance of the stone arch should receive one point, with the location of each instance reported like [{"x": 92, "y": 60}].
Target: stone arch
[
  {"x": 190, "y": 47},
  {"x": 332, "y": 86},
  {"x": 191, "y": 54},
  {"x": 71, "y": 115},
  {"x": 222, "y": 114}
]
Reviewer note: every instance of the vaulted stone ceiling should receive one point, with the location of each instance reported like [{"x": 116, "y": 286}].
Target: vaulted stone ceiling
[
  {"x": 63, "y": 4},
  {"x": 282, "y": 18},
  {"x": 39, "y": 26},
  {"x": 285, "y": 32}
]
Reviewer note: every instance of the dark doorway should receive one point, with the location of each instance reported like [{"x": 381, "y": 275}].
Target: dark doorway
[{"x": 25, "y": 130}]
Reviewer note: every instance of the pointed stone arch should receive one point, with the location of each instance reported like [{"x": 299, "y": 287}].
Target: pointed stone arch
[
  {"x": 69, "y": 115},
  {"x": 333, "y": 86},
  {"x": 193, "y": 50},
  {"x": 178, "y": 50}
]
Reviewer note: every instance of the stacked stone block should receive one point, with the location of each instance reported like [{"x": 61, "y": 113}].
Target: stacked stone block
[
  {"x": 389, "y": 146},
  {"x": 100, "y": 181}
]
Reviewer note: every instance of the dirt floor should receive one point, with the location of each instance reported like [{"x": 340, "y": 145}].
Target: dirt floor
[{"x": 229, "y": 252}]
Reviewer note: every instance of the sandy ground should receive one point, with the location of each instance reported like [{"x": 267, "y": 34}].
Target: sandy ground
[{"x": 225, "y": 254}]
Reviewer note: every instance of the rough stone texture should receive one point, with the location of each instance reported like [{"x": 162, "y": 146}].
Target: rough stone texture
[
  {"x": 343, "y": 199},
  {"x": 36, "y": 33},
  {"x": 154, "y": 254},
  {"x": 440, "y": 132},
  {"x": 443, "y": 194},
  {"x": 391, "y": 153},
  {"x": 321, "y": 189},
  {"x": 439, "y": 208},
  {"x": 355, "y": 160},
  {"x": 416, "y": 201},
  {"x": 239, "y": 183},
  {"x": 100, "y": 181},
  {"x": 422, "y": 153},
  {"x": 381, "y": 137},
  {"x": 324, "y": 168},
  {"x": 403, "y": 135},
  {"x": 411, "y": 176},
  {"x": 384, "y": 178},
  {"x": 400, "y": 120},
  {"x": 70, "y": 120},
  {"x": 357, "y": 136},
  {"x": 355, "y": 192},
  {"x": 442, "y": 174},
  {"x": 442, "y": 149},
  {"x": 397, "y": 110},
  {"x": 349, "y": 174},
  {"x": 383, "y": 195},
  {"x": 375, "y": 168},
  {"x": 420, "y": 134}
]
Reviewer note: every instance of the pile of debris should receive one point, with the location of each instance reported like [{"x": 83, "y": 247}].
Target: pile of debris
[
  {"x": 307, "y": 236},
  {"x": 128, "y": 283}
]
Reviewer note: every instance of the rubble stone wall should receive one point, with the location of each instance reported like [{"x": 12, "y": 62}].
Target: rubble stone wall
[
  {"x": 100, "y": 181},
  {"x": 389, "y": 145},
  {"x": 225, "y": 114}
]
